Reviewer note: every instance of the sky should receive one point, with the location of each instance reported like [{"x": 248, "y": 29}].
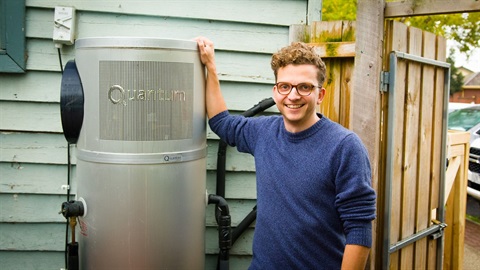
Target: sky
[{"x": 473, "y": 63}]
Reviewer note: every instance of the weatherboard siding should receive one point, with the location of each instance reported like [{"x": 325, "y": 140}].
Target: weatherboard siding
[{"x": 33, "y": 150}]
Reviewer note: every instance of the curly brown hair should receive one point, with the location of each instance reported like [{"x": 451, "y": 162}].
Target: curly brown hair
[{"x": 298, "y": 53}]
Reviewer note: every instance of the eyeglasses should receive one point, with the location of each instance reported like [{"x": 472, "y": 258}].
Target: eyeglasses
[{"x": 303, "y": 89}]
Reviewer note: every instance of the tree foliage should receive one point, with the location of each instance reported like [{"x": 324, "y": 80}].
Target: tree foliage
[
  {"x": 462, "y": 28},
  {"x": 456, "y": 77}
]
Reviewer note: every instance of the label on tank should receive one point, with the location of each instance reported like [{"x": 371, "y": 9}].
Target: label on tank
[{"x": 145, "y": 100}]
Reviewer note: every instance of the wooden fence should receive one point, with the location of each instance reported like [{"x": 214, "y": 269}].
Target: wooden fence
[
  {"x": 335, "y": 43},
  {"x": 416, "y": 148}
]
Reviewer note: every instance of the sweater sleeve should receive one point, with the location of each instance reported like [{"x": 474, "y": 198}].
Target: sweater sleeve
[
  {"x": 355, "y": 199},
  {"x": 235, "y": 130}
]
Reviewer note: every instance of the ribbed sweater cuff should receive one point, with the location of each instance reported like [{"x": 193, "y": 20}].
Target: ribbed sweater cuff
[{"x": 360, "y": 236}]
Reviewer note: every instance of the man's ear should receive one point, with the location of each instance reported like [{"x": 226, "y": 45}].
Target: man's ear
[{"x": 321, "y": 95}]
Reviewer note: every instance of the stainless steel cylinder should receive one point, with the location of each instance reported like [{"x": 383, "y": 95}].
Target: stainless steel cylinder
[{"x": 141, "y": 154}]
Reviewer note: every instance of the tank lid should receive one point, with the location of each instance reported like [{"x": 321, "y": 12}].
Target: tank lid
[{"x": 135, "y": 42}]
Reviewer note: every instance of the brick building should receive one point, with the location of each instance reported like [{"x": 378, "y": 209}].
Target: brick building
[{"x": 470, "y": 92}]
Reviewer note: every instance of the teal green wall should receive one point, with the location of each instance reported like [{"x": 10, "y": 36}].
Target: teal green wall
[{"x": 33, "y": 150}]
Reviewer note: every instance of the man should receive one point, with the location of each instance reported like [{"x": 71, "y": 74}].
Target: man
[{"x": 315, "y": 203}]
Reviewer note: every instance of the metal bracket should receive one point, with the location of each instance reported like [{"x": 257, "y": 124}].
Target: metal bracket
[
  {"x": 439, "y": 233},
  {"x": 384, "y": 81}
]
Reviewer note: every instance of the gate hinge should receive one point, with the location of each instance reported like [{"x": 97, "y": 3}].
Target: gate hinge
[{"x": 384, "y": 81}]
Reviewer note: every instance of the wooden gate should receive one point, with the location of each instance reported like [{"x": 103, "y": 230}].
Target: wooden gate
[
  {"x": 415, "y": 106},
  {"x": 409, "y": 229}
]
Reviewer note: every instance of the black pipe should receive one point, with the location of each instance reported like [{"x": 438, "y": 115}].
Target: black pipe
[
  {"x": 244, "y": 224},
  {"x": 221, "y": 163},
  {"x": 259, "y": 107},
  {"x": 223, "y": 255},
  {"x": 224, "y": 230},
  {"x": 222, "y": 147},
  {"x": 73, "y": 260}
]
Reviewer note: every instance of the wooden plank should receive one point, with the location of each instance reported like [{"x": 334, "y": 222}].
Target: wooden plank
[
  {"x": 328, "y": 38},
  {"x": 314, "y": 11},
  {"x": 31, "y": 86},
  {"x": 365, "y": 95},
  {"x": 238, "y": 185},
  {"x": 346, "y": 93},
  {"x": 425, "y": 149},
  {"x": 455, "y": 150},
  {"x": 33, "y": 148},
  {"x": 20, "y": 178},
  {"x": 299, "y": 32},
  {"x": 438, "y": 122},
  {"x": 229, "y": 36},
  {"x": 456, "y": 201},
  {"x": 236, "y": 161},
  {"x": 233, "y": 66},
  {"x": 47, "y": 148},
  {"x": 17, "y": 208},
  {"x": 230, "y": 10},
  {"x": 328, "y": 31},
  {"x": 235, "y": 93},
  {"x": 412, "y": 102},
  {"x": 334, "y": 38},
  {"x": 397, "y": 33},
  {"x": 455, "y": 137},
  {"x": 450, "y": 174},
  {"x": 44, "y": 87},
  {"x": 51, "y": 237},
  {"x": 438, "y": 116},
  {"x": 448, "y": 235},
  {"x": 330, "y": 105},
  {"x": 432, "y": 256},
  {"x": 430, "y": 7},
  {"x": 459, "y": 208},
  {"x": 30, "y": 116},
  {"x": 335, "y": 49},
  {"x": 32, "y": 260},
  {"x": 32, "y": 236},
  {"x": 18, "y": 116},
  {"x": 31, "y": 207}
]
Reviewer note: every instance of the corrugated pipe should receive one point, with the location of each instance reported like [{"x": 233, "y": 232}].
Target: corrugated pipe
[{"x": 220, "y": 185}]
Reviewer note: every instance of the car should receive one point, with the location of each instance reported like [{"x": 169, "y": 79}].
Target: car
[
  {"x": 453, "y": 106},
  {"x": 468, "y": 119}
]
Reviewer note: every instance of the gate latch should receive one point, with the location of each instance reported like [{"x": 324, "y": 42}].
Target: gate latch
[{"x": 439, "y": 233}]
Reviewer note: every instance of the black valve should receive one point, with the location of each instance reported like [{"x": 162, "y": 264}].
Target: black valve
[{"x": 72, "y": 209}]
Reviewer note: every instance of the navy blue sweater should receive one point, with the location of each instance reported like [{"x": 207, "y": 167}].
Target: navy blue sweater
[{"x": 314, "y": 191}]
